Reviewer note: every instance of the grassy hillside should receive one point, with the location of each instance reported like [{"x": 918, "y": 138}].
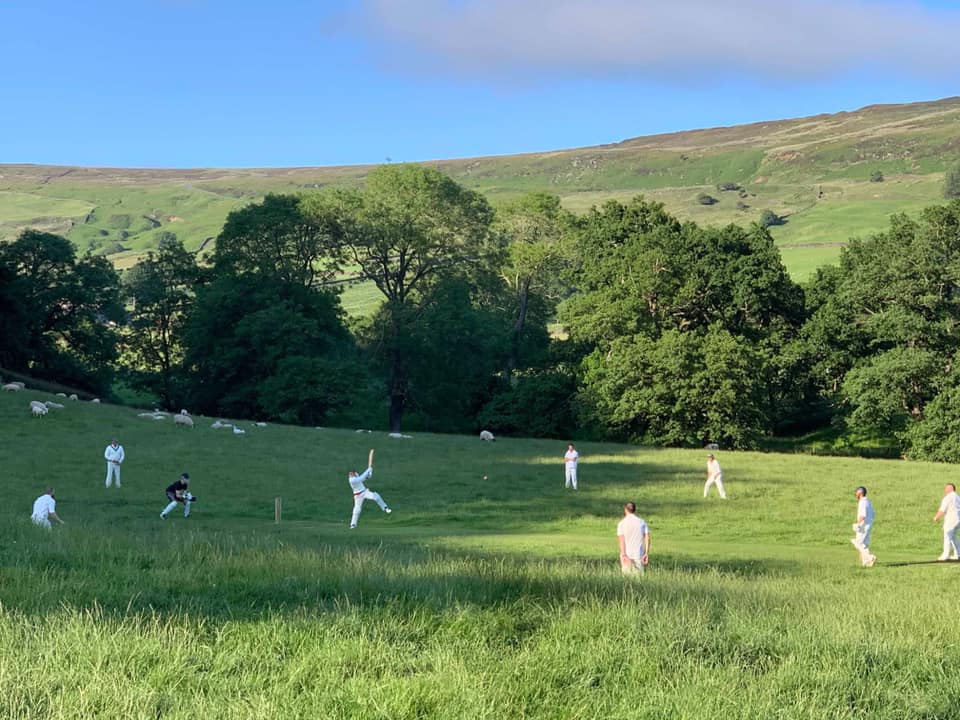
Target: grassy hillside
[
  {"x": 815, "y": 171},
  {"x": 474, "y": 599}
]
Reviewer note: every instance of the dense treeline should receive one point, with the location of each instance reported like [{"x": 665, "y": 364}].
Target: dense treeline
[{"x": 667, "y": 333}]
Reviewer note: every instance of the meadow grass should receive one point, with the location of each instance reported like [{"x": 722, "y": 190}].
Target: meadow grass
[{"x": 496, "y": 598}]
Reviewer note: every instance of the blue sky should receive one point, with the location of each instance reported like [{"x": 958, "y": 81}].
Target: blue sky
[{"x": 211, "y": 83}]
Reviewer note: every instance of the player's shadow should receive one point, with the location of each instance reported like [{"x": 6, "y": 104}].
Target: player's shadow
[{"x": 910, "y": 563}]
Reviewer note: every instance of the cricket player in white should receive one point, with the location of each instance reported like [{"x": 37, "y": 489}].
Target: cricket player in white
[
  {"x": 114, "y": 456},
  {"x": 862, "y": 528},
  {"x": 570, "y": 459},
  {"x": 361, "y": 492},
  {"x": 714, "y": 477},
  {"x": 950, "y": 512},
  {"x": 45, "y": 508},
  {"x": 633, "y": 535}
]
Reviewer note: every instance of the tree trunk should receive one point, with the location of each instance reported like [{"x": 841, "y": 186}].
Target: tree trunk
[
  {"x": 397, "y": 389},
  {"x": 513, "y": 360}
]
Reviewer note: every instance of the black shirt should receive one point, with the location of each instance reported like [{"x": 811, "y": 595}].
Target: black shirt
[{"x": 178, "y": 486}]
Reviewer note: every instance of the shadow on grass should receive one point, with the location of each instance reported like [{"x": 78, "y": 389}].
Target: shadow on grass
[
  {"x": 910, "y": 563},
  {"x": 225, "y": 578}
]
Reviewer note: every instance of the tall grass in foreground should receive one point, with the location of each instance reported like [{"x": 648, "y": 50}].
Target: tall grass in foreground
[{"x": 495, "y": 600}]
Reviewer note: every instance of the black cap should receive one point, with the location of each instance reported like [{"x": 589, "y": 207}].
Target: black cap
[{"x": 861, "y": 489}]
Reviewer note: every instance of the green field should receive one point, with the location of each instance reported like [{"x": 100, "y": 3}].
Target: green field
[
  {"x": 474, "y": 599},
  {"x": 814, "y": 171}
]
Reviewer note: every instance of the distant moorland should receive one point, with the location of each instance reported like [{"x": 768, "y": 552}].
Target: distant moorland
[{"x": 832, "y": 177}]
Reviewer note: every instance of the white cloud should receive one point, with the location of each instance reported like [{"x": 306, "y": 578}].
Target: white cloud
[{"x": 773, "y": 39}]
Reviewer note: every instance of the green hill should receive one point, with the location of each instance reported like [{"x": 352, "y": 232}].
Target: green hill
[
  {"x": 816, "y": 172},
  {"x": 478, "y": 597}
]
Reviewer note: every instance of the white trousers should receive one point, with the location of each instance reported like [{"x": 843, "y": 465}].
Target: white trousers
[
  {"x": 631, "y": 566},
  {"x": 113, "y": 470},
  {"x": 718, "y": 481},
  {"x": 572, "y": 477},
  {"x": 42, "y": 522},
  {"x": 951, "y": 548},
  {"x": 358, "y": 499},
  {"x": 172, "y": 504},
  {"x": 861, "y": 541}
]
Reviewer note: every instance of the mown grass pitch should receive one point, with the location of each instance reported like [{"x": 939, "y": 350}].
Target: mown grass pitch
[{"x": 496, "y": 599}]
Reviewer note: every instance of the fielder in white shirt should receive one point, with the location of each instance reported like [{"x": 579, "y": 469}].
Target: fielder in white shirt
[
  {"x": 714, "y": 477},
  {"x": 862, "y": 528},
  {"x": 570, "y": 459},
  {"x": 361, "y": 492},
  {"x": 114, "y": 456},
  {"x": 633, "y": 535},
  {"x": 45, "y": 509},
  {"x": 950, "y": 512}
]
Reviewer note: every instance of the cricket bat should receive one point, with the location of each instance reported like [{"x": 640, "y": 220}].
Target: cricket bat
[{"x": 370, "y": 460}]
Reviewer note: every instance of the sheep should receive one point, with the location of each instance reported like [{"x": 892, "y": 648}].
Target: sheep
[
  {"x": 38, "y": 410},
  {"x": 96, "y": 400},
  {"x": 260, "y": 424},
  {"x": 63, "y": 395},
  {"x": 73, "y": 397},
  {"x": 400, "y": 436},
  {"x": 152, "y": 415},
  {"x": 53, "y": 405},
  {"x": 217, "y": 424},
  {"x": 18, "y": 384},
  {"x": 182, "y": 419},
  {"x": 487, "y": 436},
  {"x": 11, "y": 387},
  {"x": 712, "y": 446},
  {"x": 184, "y": 412},
  {"x": 36, "y": 403},
  {"x": 238, "y": 431}
]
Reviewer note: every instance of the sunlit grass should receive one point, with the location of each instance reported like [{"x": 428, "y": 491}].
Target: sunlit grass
[{"x": 474, "y": 599}]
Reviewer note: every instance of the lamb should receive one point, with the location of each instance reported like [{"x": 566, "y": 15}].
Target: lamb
[
  {"x": 183, "y": 419},
  {"x": 38, "y": 409},
  {"x": 487, "y": 436}
]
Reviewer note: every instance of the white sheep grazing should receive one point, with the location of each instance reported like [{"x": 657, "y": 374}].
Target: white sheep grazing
[
  {"x": 487, "y": 436},
  {"x": 400, "y": 436},
  {"x": 11, "y": 387},
  {"x": 260, "y": 424},
  {"x": 217, "y": 424},
  {"x": 96, "y": 400},
  {"x": 53, "y": 405},
  {"x": 19, "y": 384},
  {"x": 73, "y": 397},
  {"x": 63, "y": 395},
  {"x": 38, "y": 410},
  {"x": 36, "y": 403},
  {"x": 183, "y": 420}
]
